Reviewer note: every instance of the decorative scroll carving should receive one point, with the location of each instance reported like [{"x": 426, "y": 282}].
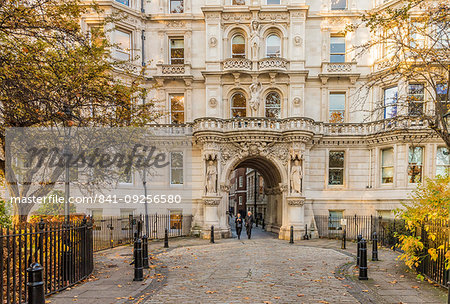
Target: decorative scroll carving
[
  {"x": 176, "y": 24},
  {"x": 273, "y": 16},
  {"x": 236, "y": 17},
  {"x": 296, "y": 202},
  {"x": 211, "y": 201}
]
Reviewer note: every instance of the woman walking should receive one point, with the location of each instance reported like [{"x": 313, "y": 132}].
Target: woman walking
[{"x": 239, "y": 225}]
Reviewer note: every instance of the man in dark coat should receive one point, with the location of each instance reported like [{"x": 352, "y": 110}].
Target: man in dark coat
[
  {"x": 239, "y": 224},
  {"x": 249, "y": 224}
]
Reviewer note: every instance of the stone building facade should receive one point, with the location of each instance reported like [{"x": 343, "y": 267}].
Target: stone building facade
[{"x": 272, "y": 85}]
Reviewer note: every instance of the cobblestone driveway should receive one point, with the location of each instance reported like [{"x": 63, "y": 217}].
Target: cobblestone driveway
[{"x": 261, "y": 270}]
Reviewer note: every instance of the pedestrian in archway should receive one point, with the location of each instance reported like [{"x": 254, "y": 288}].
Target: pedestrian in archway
[
  {"x": 239, "y": 223},
  {"x": 249, "y": 220}
]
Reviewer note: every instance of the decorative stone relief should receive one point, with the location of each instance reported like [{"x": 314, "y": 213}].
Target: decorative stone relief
[
  {"x": 296, "y": 178},
  {"x": 236, "y": 17},
  {"x": 255, "y": 38},
  {"x": 297, "y": 101},
  {"x": 298, "y": 41},
  {"x": 213, "y": 102},
  {"x": 255, "y": 90},
  {"x": 176, "y": 24},
  {"x": 211, "y": 177},
  {"x": 212, "y": 42},
  {"x": 211, "y": 202},
  {"x": 224, "y": 188},
  {"x": 296, "y": 202},
  {"x": 284, "y": 187},
  {"x": 273, "y": 16}
]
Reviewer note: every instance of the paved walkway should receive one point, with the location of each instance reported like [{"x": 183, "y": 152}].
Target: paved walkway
[{"x": 261, "y": 270}]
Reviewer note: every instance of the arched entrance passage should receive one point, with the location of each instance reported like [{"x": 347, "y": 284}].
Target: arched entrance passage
[{"x": 273, "y": 177}]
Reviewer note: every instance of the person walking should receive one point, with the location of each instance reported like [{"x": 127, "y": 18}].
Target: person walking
[
  {"x": 239, "y": 223},
  {"x": 249, "y": 220}
]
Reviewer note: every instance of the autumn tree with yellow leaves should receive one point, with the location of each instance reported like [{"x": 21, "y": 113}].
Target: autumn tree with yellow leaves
[{"x": 55, "y": 74}]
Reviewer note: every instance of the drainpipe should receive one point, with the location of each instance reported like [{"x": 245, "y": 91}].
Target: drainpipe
[
  {"x": 142, "y": 6},
  {"x": 256, "y": 213},
  {"x": 143, "y": 47}
]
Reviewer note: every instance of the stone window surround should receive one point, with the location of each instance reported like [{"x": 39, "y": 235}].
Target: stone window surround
[
  {"x": 129, "y": 30},
  {"x": 434, "y": 157},
  {"x": 327, "y": 164},
  {"x": 379, "y": 166},
  {"x": 272, "y": 29},
  {"x": 424, "y": 163},
  {"x": 337, "y": 90},
  {"x": 266, "y": 94},
  {"x": 164, "y": 6},
  {"x": 166, "y": 36},
  {"x": 182, "y": 168},
  {"x": 229, "y": 42},
  {"x": 172, "y": 91}
]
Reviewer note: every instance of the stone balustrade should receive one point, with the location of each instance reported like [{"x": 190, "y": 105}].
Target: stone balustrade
[
  {"x": 339, "y": 68},
  {"x": 306, "y": 124},
  {"x": 172, "y": 69},
  {"x": 237, "y": 64},
  {"x": 272, "y": 63}
]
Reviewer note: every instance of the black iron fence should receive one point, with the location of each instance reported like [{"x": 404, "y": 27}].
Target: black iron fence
[
  {"x": 64, "y": 251},
  {"x": 435, "y": 270},
  {"x": 388, "y": 231},
  {"x": 113, "y": 231}
]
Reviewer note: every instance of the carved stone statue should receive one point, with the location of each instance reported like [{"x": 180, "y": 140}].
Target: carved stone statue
[
  {"x": 255, "y": 90},
  {"x": 296, "y": 178},
  {"x": 211, "y": 177},
  {"x": 255, "y": 39}
]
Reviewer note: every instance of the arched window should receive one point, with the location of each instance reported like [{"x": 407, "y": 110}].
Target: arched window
[
  {"x": 238, "y": 105},
  {"x": 273, "y": 46},
  {"x": 238, "y": 46},
  {"x": 273, "y": 105}
]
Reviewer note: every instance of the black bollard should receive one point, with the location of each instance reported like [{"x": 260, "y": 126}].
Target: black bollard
[
  {"x": 344, "y": 236},
  {"x": 448, "y": 298},
  {"x": 374, "y": 246},
  {"x": 166, "y": 239},
  {"x": 212, "y": 234},
  {"x": 291, "y": 239},
  {"x": 138, "y": 269},
  {"x": 263, "y": 225},
  {"x": 306, "y": 236},
  {"x": 363, "y": 260},
  {"x": 35, "y": 284},
  {"x": 145, "y": 251},
  {"x": 357, "y": 249}
]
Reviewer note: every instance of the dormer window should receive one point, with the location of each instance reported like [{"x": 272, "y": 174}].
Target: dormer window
[
  {"x": 238, "y": 2},
  {"x": 238, "y": 46},
  {"x": 273, "y": 2}
]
